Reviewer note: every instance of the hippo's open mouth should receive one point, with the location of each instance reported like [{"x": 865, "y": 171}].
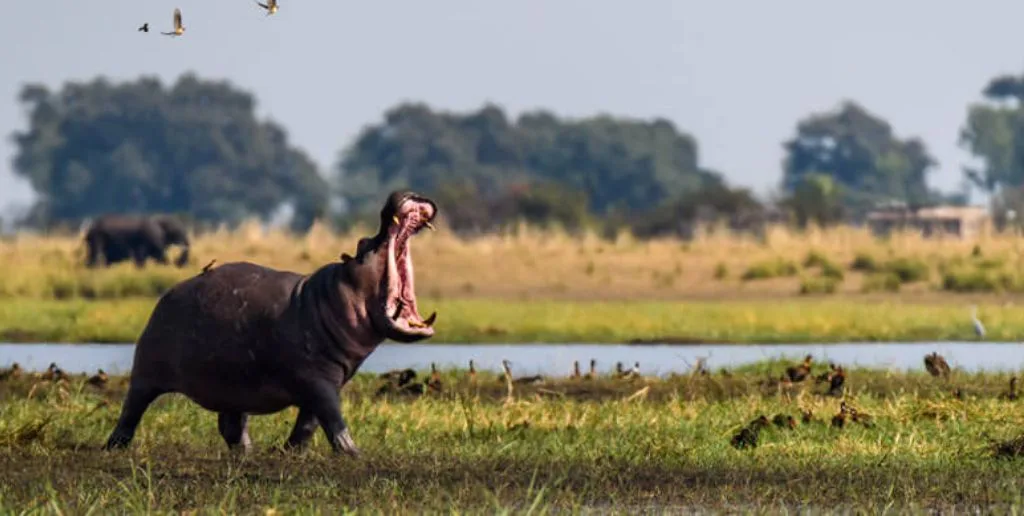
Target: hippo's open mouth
[{"x": 400, "y": 302}]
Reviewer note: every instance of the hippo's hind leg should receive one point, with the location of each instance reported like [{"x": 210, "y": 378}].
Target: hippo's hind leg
[
  {"x": 234, "y": 428},
  {"x": 305, "y": 425},
  {"x": 136, "y": 402},
  {"x": 323, "y": 401}
]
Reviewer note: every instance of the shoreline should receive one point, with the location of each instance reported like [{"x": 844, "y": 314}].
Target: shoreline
[{"x": 637, "y": 323}]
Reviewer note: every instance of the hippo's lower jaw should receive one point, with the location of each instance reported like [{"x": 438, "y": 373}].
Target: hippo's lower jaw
[{"x": 404, "y": 323}]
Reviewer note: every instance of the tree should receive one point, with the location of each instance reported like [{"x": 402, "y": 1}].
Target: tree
[
  {"x": 994, "y": 133},
  {"x": 860, "y": 153},
  {"x": 817, "y": 199},
  {"x": 713, "y": 202},
  {"x": 620, "y": 166},
  {"x": 195, "y": 148}
]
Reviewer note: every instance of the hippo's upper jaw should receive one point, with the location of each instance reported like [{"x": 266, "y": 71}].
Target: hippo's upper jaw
[{"x": 410, "y": 214}]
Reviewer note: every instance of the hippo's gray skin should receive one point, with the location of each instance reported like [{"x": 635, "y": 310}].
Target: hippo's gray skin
[{"x": 245, "y": 339}]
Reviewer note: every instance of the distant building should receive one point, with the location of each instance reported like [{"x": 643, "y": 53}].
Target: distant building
[{"x": 965, "y": 222}]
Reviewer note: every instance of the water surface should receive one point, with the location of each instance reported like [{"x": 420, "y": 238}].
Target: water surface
[{"x": 557, "y": 359}]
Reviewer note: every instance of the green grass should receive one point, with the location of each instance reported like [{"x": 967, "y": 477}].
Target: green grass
[
  {"x": 566, "y": 445},
  {"x": 814, "y": 319}
]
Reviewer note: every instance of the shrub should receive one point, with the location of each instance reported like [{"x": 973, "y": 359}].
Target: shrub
[
  {"x": 881, "y": 282},
  {"x": 818, "y": 285},
  {"x": 814, "y": 259},
  {"x": 991, "y": 263},
  {"x": 864, "y": 262},
  {"x": 62, "y": 287},
  {"x": 909, "y": 270},
  {"x": 770, "y": 269},
  {"x": 831, "y": 270},
  {"x": 970, "y": 280},
  {"x": 721, "y": 271}
]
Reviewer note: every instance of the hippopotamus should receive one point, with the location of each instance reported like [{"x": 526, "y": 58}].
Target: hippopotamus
[{"x": 243, "y": 339}]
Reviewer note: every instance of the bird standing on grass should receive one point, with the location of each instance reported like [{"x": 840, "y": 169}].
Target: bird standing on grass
[
  {"x": 434, "y": 383},
  {"x": 979, "y": 329},
  {"x": 797, "y": 373},
  {"x": 99, "y": 379},
  {"x": 270, "y": 6},
  {"x": 936, "y": 364},
  {"x": 179, "y": 29},
  {"x": 13, "y": 372}
]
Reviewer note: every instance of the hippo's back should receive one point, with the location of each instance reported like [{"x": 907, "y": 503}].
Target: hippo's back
[{"x": 214, "y": 328}]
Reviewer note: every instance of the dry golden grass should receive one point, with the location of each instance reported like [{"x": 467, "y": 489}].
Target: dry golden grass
[{"x": 526, "y": 264}]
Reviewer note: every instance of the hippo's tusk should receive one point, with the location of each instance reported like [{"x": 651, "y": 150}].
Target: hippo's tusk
[
  {"x": 430, "y": 320},
  {"x": 398, "y": 310},
  {"x": 397, "y": 222},
  {"x": 429, "y": 225}
]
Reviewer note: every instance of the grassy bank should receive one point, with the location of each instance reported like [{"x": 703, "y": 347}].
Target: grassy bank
[
  {"x": 495, "y": 320},
  {"x": 577, "y": 445},
  {"x": 529, "y": 265}
]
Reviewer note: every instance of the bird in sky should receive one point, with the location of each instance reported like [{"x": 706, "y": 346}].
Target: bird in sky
[
  {"x": 144, "y": 27},
  {"x": 179, "y": 29},
  {"x": 270, "y": 6}
]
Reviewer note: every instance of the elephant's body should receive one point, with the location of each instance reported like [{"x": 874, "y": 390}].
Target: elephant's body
[{"x": 132, "y": 237}]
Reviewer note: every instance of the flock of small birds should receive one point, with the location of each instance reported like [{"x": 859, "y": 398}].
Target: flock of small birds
[
  {"x": 178, "y": 28},
  {"x": 747, "y": 436},
  {"x": 402, "y": 381},
  {"x": 54, "y": 374}
]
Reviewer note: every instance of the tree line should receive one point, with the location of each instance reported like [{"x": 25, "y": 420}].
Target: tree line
[{"x": 195, "y": 148}]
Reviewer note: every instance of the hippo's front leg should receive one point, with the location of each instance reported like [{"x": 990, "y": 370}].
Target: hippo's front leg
[
  {"x": 234, "y": 428},
  {"x": 324, "y": 403}
]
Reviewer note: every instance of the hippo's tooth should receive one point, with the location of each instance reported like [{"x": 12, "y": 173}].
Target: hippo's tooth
[
  {"x": 429, "y": 225},
  {"x": 398, "y": 310},
  {"x": 395, "y": 219},
  {"x": 430, "y": 320}
]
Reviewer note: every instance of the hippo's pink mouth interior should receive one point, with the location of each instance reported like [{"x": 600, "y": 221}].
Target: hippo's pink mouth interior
[{"x": 400, "y": 302}]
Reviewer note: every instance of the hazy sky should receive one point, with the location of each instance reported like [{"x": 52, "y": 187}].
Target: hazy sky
[{"x": 737, "y": 75}]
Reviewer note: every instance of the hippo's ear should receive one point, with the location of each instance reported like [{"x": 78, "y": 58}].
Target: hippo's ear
[{"x": 345, "y": 257}]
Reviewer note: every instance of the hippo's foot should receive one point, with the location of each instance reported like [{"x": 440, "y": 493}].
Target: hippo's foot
[
  {"x": 234, "y": 428},
  {"x": 305, "y": 425},
  {"x": 344, "y": 443},
  {"x": 118, "y": 440},
  {"x": 136, "y": 401}
]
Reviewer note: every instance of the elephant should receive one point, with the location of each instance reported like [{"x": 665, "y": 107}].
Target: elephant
[{"x": 135, "y": 237}]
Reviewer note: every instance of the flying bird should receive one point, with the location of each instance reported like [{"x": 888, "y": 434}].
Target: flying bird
[
  {"x": 179, "y": 29},
  {"x": 144, "y": 27},
  {"x": 270, "y": 6}
]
